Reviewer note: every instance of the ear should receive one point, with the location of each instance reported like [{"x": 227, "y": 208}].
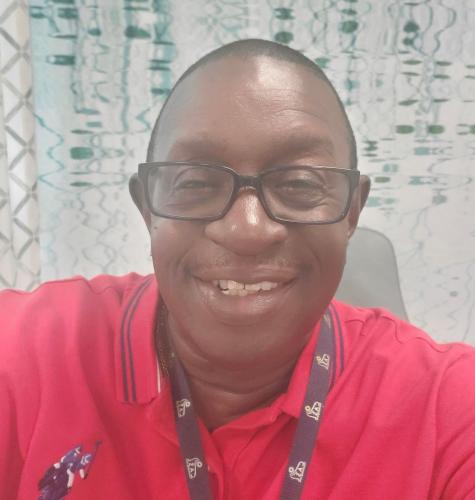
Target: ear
[
  {"x": 359, "y": 199},
  {"x": 136, "y": 191}
]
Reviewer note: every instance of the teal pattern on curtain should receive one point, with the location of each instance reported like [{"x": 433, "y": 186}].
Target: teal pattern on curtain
[{"x": 405, "y": 70}]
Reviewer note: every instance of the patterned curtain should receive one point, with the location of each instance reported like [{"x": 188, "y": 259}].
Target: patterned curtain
[
  {"x": 19, "y": 225},
  {"x": 101, "y": 69}
]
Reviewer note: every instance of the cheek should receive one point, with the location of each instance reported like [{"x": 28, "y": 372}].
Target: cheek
[
  {"x": 170, "y": 241},
  {"x": 328, "y": 246},
  {"x": 167, "y": 246}
]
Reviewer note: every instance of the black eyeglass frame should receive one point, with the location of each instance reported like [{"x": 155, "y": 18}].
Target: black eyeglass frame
[{"x": 243, "y": 181}]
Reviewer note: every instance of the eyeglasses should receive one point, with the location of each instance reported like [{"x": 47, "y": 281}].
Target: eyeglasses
[{"x": 204, "y": 192}]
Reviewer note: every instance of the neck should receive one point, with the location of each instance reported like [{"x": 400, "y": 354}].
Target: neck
[
  {"x": 220, "y": 397},
  {"x": 221, "y": 392}
]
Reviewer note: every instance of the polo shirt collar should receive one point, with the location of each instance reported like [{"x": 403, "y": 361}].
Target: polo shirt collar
[
  {"x": 291, "y": 401},
  {"x": 137, "y": 375}
]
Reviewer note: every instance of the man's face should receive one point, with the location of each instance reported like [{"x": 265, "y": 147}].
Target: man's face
[{"x": 251, "y": 116}]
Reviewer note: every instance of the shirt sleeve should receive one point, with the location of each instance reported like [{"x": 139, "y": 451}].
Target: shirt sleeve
[{"x": 454, "y": 473}]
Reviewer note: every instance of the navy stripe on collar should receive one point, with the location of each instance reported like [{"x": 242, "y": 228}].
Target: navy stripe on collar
[
  {"x": 126, "y": 351},
  {"x": 339, "y": 340}
]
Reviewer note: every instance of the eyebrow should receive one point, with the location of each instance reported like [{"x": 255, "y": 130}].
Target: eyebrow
[{"x": 305, "y": 143}]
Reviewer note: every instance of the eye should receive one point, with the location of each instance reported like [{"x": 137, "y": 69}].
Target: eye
[
  {"x": 193, "y": 179},
  {"x": 300, "y": 184},
  {"x": 295, "y": 188},
  {"x": 192, "y": 184}
]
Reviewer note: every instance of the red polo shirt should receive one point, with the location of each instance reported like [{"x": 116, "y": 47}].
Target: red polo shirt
[{"x": 81, "y": 396}]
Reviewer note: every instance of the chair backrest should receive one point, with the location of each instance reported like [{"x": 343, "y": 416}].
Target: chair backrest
[{"x": 371, "y": 277}]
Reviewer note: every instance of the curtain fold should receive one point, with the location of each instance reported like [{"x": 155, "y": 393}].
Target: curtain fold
[{"x": 19, "y": 217}]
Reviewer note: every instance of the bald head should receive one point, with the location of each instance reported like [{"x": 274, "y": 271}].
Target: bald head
[{"x": 247, "y": 51}]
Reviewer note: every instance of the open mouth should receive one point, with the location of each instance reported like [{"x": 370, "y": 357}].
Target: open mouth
[
  {"x": 244, "y": 302},
  {"x": 231, "y": 287}
]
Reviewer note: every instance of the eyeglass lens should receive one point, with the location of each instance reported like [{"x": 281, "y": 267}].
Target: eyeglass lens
[{"x": 295, "y": 194}]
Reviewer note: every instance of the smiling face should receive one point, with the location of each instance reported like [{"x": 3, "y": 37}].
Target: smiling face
[{"x": 245, "y": 289}]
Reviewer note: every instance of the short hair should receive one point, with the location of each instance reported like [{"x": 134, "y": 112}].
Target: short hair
[{"x": 254, "y": 47}]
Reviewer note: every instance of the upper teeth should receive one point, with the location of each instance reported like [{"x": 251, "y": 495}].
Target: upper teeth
[{"x": 231, "y": 287}]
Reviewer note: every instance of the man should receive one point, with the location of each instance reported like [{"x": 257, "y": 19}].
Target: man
[{"x": 231, "y": 374}]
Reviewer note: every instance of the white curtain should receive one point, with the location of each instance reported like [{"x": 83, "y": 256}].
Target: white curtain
[
  {"x": 19, "y": 217},
  {"x": 102, "y": 68}
]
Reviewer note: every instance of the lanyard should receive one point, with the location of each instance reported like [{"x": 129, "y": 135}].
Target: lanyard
[{"x": 303, "y": 445}]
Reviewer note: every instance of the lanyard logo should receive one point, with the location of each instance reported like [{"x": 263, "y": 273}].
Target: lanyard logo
[
  {"x": 192, "y": 466},
  {"x": 323, "y": 361},
  {"x": 314, "y": 411},
  {"x": 298, "y": 471},
  {"x": 181, "y": 406}
]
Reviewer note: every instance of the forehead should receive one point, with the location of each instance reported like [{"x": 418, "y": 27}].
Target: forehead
[{"x": 237, "y": 102}]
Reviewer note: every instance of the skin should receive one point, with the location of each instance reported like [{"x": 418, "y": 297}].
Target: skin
[{"x": 254, "y": 114}]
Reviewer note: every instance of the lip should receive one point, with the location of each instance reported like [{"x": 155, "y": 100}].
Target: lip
[
  {"x": 281, "y": 276},
  {"x": 244, "y": 310}
]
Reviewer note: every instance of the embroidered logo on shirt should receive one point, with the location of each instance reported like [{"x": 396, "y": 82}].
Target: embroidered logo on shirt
[
  {"x": 298, "y": 471},
  {"x": 59, "y": 478}
]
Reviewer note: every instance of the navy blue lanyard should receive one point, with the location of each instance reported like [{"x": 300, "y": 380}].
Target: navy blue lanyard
[{"x": 321, "y": 373}]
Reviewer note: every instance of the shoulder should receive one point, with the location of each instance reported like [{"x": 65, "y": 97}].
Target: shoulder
[
  {"x": 378, "y": 332},
  {"x": 386, "y": 355},
  {"x": 58, "y": 295},
  {"x": 60, "y": 316},
  {"x": 64, "y": 289}
]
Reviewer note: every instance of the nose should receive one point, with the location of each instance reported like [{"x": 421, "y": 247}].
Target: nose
[{"x": 246, "y": 229}]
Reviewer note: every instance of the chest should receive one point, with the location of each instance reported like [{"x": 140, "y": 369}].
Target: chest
[{"x": 132, "y": 452}]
